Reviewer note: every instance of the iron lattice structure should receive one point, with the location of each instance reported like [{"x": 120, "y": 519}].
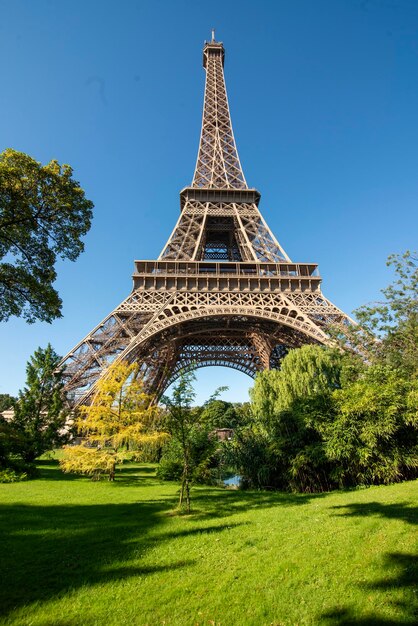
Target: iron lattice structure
[{"x": 222, "y": 292}]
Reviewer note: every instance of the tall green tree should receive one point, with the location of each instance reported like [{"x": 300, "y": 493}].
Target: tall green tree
[
  {"x": 331, "y": 422},
  {"x": 283, "y": 447},
  {"x": 329, "y": 418},
  {"x": 193, "y": 441},
  {"x": 43, "y": 215},
  {"x": 40, "y": 415},
  {"x": 180, "y": 420}
]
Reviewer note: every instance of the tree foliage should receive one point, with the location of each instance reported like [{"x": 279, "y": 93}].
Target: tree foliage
[
  {"x": 43, "y": 215},
  {"x": 218, "y": 413},
  {"x": 388, "y": 329},
  {"x": 395, "y": 319},
  {"x": 12, "y": 443},
  {"x": 39, "y": 413},
  {"x": 311, "y": 371},
  {"x": 281, "y": 447},
  {"x": 191, "y": 451},
  {"x": 6, "y": 401},
  {"x": 121, "y": 416},
  {"x": 326, "y": 420},
  {"x": 374, "y": 435}
]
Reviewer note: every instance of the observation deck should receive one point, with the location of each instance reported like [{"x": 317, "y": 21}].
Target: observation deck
[{"x": 226, "y": 276}]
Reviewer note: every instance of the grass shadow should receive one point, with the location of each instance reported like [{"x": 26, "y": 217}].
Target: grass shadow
[
  {"x": 405, "y": 511},
  {"x": 49, "y": 550},
  {"x": 49, "y": 469},
  {"x": 219, "y": 503},
  {"x": 400, "y": 571},
  {"x": 132, "y": 470}
]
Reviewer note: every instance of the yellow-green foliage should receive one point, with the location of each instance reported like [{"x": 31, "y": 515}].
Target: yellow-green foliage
[
  {"x": 120, "y": 417},
  {"x": 90, "y": 461}
]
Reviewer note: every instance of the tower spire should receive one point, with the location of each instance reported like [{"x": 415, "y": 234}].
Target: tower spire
[{"x": 218, "y": 165}]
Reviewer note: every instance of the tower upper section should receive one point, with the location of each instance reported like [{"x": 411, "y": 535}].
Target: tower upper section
[{"x": 218, "y": 165}]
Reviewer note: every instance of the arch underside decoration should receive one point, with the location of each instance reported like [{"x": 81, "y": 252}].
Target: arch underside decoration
[
  {"x": 243, "y": 343},
  {"x": 245, "y": 347}
]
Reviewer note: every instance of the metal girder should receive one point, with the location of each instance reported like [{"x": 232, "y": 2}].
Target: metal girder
[{"x": 218, "y": 164}]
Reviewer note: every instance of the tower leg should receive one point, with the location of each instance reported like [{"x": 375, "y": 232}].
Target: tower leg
[{"x": 264, "y": 347}]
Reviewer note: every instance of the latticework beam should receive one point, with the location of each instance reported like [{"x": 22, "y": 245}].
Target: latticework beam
[{"x": 218, "y": 164}]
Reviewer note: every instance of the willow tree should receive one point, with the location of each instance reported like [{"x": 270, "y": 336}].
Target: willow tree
[
  {"x": 283, "y": 446},
  {"x": 310, "y": 371},
  {"x": 120, "y": 417}
]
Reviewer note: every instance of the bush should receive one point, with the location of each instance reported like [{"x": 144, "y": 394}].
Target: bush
[
  {"x": 250, "y": 455},
  {"x": 374, "y": 437},
  {"x": 9, "y": 475},
  {"x": 208, "y": 472},
  {"x": 326, "y": 421},
  {"x": 170, "y": 469}
]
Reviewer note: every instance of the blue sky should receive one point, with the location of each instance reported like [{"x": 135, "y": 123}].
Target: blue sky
[{"x": 324, "y": 100}]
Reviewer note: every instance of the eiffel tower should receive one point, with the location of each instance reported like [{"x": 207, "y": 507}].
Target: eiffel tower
[{"x": 222, "y": 292}]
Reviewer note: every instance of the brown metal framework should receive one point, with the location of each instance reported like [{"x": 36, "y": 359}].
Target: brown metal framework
[{"x": 222, "y": 292}]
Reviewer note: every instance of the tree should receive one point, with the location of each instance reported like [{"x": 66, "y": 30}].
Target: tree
[
  {"x": 180, "y": 421},
  {"x": 120, "y": 416},
  {"x": 373, "y": 437},
  {"x": 43, "y": 215},
  {"x": 329, "y": 418},
  {"x": 6, "y": 402},
  {"x": 331, "y": 421},
  {"x": 39, "y": 413},
  {"x": 193, "y": 441},
  {"x": 283, "y": 447},
  {"x": 220, "y": 413},
  {"x": 388, "y": 330},
  {"x": 12, "y": 443},
  {"x": 310, "y": 371}
]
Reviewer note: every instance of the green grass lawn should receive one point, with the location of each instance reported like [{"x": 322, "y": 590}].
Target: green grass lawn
[{"x": 76, "y": 552}]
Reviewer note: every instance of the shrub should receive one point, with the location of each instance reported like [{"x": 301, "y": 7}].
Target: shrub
[
  {"x": 10, "y": 475},
  {"x": 170, "y": 469}
]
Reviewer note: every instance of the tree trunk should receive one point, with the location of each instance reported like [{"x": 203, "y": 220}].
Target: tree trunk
[
  {"x": 187, "y": 495},
  {"x": 185, "y": 487},
  {"x": 29, "y": 456},
  {"x": 181, "y": 491}
]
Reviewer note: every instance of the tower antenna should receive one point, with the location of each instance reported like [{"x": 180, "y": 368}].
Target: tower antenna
[{"x": 213, "y": 34}]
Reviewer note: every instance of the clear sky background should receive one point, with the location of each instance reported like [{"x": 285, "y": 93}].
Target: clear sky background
[{"x": 324, "y": 103}]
